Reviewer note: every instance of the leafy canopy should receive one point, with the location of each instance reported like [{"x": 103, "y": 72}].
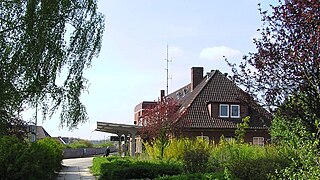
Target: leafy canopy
[
  {"x": 287, "y": 57},
  {"x": 285, "y": 73},
  {"x": 287, "y": 62},
  {"x": 36, "y": 52}
]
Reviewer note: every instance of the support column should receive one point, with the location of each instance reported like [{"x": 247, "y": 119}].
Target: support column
[
  {"x": 125, "y": 145},
  {"x": 119, "y": 145},
  {"x": 133, "y": 143}
]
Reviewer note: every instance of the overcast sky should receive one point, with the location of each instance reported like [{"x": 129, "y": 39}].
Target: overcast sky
[{"x": 131, "y": 65}]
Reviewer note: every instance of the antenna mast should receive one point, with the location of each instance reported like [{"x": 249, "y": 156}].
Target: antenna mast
[{"x": 167, "y": 69}]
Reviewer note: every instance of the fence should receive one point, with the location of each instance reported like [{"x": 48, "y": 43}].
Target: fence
[{"x": 85, "y": 152}]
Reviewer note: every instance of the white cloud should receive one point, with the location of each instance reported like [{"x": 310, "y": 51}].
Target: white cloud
[{"x": 217, "y": 53}]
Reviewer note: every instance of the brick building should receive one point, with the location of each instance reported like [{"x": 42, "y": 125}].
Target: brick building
[{"x": 213, "y": 107}]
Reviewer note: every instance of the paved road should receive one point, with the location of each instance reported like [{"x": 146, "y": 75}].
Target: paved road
[{"x": 77, "y": 168}]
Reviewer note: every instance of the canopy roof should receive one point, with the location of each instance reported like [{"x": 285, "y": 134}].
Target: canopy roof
[{"x": 118, "y": 129}]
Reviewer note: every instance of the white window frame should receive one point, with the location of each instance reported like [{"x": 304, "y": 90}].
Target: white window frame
[
  {"x": 205, "y": 138},
  {"x": 227, "y": 110},
  {"x": 258, "y": 141},
  {"x": 238, "y": 116},
  {"x": 230, "y": 139}
]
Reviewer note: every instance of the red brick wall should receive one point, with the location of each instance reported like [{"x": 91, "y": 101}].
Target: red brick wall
[{"x": 216, "y": 134}]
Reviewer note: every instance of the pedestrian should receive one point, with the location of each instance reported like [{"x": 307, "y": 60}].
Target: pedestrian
[{"x": 107, "y": 152}]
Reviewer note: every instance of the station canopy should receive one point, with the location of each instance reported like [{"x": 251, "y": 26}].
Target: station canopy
[{"x": 115, "y": 128}]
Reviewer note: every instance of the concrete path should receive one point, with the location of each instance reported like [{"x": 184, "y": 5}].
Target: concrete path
[{"x": 77, "y": 168}]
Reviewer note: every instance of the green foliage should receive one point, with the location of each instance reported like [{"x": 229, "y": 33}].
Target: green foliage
[
  {"x": 196, "y": 156},
  {"x": 80, "y": 144},
  {"x": 241, "y": 130},
  {"x": 129, "y": 168},
  {"x": 294, "y": 136},
  {"x": 245, "y": 161},
  {"x": 200, "y": 160},
  {"x": 176, "y": 148},
  {"x": 103, "y": 145},
  {"x": 10, "y": 150},
  {"x": 286, "y": 71},
  {"x": 38, "y": 160},
  {"x": 12, "y": 125},
  {"x": 96, "y": 164},
  {"x": 34, "y": 52},
  {"x": 203, "y": 176}
]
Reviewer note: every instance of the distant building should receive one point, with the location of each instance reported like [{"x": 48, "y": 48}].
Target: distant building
[
  {"x": 213, "y": 107},
  {"x": 39, "y": 130},
  {"x": 42, "y": 133}
]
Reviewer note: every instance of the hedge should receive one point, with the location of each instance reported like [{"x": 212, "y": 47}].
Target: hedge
[
  {"x": 130, "y": 168},
  {"x": 22, "y": 160}
]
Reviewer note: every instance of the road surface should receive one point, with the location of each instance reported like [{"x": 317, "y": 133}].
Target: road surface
[{"x": 77, "y": 168}]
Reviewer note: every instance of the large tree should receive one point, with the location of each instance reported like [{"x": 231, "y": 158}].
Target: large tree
[
  {"x": 36, "y": 53},
  {"x": 284, "y": 74},
  {"x": 287, "y": 62}
]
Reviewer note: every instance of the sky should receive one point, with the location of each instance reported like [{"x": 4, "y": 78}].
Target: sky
[{"x": 131, "y": 67}]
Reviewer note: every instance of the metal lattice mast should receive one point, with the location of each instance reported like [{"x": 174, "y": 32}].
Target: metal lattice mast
[{"x": 167, "y": 69}]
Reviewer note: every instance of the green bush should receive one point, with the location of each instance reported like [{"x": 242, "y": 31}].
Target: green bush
[
  {"x": 202, "y": 176},
  {"x": 11, "y": 148},
  {"x": 176, "y": 148},
  {"x": 37, "y": 160},
  {"x": 103, "y": 145},
  {"x": 98, "y": 161},
  {"x": 245, "y": 161},
  {"x": 196, "y": 156},
  {"x": 80, "y": 144},
  {"x": 129, "y": 168}
]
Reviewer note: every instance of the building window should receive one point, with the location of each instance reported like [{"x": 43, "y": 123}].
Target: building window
[
  {"x": 235, "y": 111},
  {"x": 230, "y": 139},
  {"x": 205, "y": 138},
  {"x": 258, "y": 141},
  {"x": 224, "y": 110}
]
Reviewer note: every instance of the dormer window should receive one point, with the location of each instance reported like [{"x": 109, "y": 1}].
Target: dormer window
[
  {"x": 224, "y": 110},
  {"x": 235, "y": 111},
  {"x": 229, "y": 111}
]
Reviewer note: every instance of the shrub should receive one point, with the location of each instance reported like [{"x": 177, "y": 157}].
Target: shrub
[
  {"x": 176, "y": 148},
  {"x": 20, "y": 160},
  {"x": 129, "y": 168},
  {"x": 196, "y": 156},
  {"x": 80, "y": 144},
  {"x": 245, "y": 161},
  {"x": 11, "y": 149},
  {"x": 203, "y": 176},
  {"x": 103, "y": 145}
]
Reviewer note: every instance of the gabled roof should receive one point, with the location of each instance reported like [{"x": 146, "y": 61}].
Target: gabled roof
[
  {"x": 42, "y": 133},
  {"x": 216, "y": 87}
]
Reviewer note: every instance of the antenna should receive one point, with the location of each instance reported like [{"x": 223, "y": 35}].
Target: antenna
[{"x": 167, "y": 69}]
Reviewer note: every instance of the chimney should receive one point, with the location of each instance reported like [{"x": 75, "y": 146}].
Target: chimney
[
  {"x": 161, "y": 95},
  {"x": 196, "y": 76}
]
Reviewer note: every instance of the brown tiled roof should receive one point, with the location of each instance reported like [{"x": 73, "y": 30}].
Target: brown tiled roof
[{"x": 216, "y": 87}]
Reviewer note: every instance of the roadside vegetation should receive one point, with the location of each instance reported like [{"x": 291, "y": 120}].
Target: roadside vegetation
[
  {"x": 197, "y": 159},
  {"x": 82, "y": 143},
  {"x": 23, "y": 160}
]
